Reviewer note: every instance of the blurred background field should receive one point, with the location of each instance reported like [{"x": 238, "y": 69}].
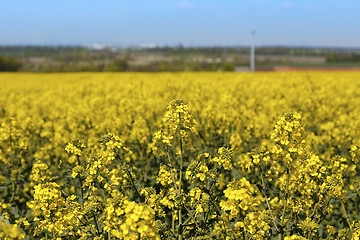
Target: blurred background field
[{"x": 174, "y": 59}]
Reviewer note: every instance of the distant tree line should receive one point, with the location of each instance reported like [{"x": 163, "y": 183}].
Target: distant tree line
[
  {"x": 177, "y": 65},
  {"x": 217, "y": 51},
  {"x": 39, "y": 51},
  {"x": 340, "y": 57},
  {"x": 80, "y": 59},
  {"x": 171, "y": 59}
]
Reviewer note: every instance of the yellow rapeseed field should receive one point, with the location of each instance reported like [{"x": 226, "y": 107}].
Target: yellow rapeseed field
[{"x": 180, "y": 155}]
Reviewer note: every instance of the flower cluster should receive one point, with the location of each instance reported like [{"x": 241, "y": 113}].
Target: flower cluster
[
  {"x": 9, "y": 231},
  {"x": 289, "y": 134},
  {"x": 224, "y": 158},
  {"x": 75, "y": 147},
  {"x": 242, "y": 207},
  {"x": 355, "y": 153},
  {"x": 51, "y": 210},
  {"x": 177, "y": 125},
  {"x": 166, "y": 176},
  {"x": 199, "y": 169},
  {"x": 40, "y": 172},
  {"x": 129, "y": 220}
]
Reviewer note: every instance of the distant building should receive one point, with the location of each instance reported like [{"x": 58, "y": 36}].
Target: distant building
[
  {"x": 148, "y": 45},
  {"x": 97, "y": 46},
  {"x": 241, "y": 69}
]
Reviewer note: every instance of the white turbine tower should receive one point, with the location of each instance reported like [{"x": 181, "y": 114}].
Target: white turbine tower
[{"x": 252, "y": 51}]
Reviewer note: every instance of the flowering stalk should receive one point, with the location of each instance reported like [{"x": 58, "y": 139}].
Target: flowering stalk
[
  {"x": 172, "y": 173},
  {"x": 267, "y": 202},
  {"x": 80, "y": 181}
]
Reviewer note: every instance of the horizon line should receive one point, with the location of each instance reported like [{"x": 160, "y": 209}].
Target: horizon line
[{"x": 138, "y": 46}]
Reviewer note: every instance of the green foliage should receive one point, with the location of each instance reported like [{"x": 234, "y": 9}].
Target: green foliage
[
  {"x": 118, "y": 65},
  {"x": 343, "y": 57},
  {"x": 8, "y": 64},
  {"x": 228, "y": 67}
]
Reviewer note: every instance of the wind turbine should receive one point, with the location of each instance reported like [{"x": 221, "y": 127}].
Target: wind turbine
[{"x": 252, "y": 51}]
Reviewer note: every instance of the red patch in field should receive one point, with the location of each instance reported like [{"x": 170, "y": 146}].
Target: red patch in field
[{"x": 299, "y": 69}]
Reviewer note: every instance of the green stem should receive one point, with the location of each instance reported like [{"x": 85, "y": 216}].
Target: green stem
[
  {"x": 346, "y": 215},
  {"x": 173, "y": 221},
  {"x": 267, "y": 202},
  {"x": 172, "y": 173},
  {"x": 192, "y": 216},
  {"x": 180, "y": 181},
  {"x": 285, "y": 198},
  {"x": 81, "y": 183},
  {"x": 142, "y": 199},
  {"x": 96, "y": 224}
]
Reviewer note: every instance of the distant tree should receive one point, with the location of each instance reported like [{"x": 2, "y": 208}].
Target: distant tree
[
  {"x": 118, "y": 65},
  {"x": 8, "y": 64},
  {"x": 330, "y": 57},
  {"x": 354, "y": 57},
  {"x": 228, "y": 67}
]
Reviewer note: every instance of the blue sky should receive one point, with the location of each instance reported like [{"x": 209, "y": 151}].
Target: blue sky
[{"x": 125, "y": 23}]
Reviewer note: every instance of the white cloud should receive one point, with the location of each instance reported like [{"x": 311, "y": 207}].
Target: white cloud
[
  {"x": 184, "y": 4},
  {"x": 286, "y": 4},
  {"x": 259, "y": 1}
]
